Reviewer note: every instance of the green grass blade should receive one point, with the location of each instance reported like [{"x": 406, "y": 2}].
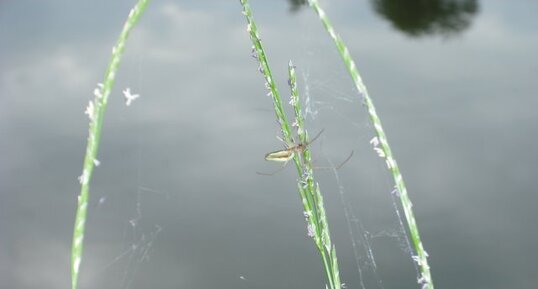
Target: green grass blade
[
  {"x": 421, "y": 257},
  {"x": 309, "y": 191},
  {"x": 96, "y": 110}
]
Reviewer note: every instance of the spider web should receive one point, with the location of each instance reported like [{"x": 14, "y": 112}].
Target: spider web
[
  {"x": 121, "y": 216},
  {"x": 131, "y": 235},
  {"x": 371, "y": 211},
  {"x": 136, "y": 245},
  {"x": 364, "y": 216}
]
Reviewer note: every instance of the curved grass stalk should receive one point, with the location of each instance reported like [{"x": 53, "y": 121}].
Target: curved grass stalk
[
  {"x": 309, "y": 191},
  {"x": 96, "y": 111},
  {"x": 384, "y": 150}
]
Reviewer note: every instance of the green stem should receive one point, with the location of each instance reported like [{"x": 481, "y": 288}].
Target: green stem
[
  {"x": 422, "y": 257},
  {"x": 96, "y": 111},
  {"x": 308, "y": 189}
]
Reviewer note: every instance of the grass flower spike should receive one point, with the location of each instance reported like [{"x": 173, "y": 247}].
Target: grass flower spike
[
  {"x": 382, "y": 148},
  {"x": 309, "y": 190},
  {"x": 96, "y": 111}
]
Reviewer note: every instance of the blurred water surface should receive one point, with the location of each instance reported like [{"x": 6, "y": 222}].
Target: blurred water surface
[{"x": 176, "y": 201}]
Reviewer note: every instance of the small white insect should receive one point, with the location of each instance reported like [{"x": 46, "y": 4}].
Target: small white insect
[{"x": 129, "y": 98}]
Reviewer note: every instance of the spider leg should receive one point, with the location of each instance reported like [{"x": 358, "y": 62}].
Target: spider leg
[
  {"x": 312, "y": 140},
  {"x": 275, "y": 172},
  {"x": 337, "y": 167},
  {"x": 345, "y": 161}
]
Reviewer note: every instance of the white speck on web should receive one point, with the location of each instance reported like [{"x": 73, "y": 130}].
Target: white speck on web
[{"x": 129, "y": 97}]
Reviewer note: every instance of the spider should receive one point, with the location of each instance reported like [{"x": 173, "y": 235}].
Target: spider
[{"x": 287, "y": 154}]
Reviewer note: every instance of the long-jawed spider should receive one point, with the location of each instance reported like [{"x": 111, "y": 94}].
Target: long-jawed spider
[{"x": 285, "y": 155}]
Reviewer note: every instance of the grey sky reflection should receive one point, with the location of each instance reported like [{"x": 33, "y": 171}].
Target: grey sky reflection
[{"x": 459, "y": 113}]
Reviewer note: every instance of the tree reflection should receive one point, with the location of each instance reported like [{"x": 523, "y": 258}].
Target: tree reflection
[
  {"x": 421, "y": 17},
  {"x": 297, "y": 4}
]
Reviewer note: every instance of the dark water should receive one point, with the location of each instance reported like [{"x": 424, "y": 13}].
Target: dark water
[{"x": 176, "y": 201}]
